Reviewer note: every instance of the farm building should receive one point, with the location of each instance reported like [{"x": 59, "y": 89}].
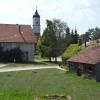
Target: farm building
[
  {"x": 87, "y": 62},
  {"x": 20, "y": 36}
]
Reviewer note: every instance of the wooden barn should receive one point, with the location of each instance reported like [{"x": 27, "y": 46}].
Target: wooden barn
[{"x": 87, "y": 62}]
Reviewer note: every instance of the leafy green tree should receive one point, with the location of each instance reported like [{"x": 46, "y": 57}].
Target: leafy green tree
[
  {"x": 56, "y": 37},
  {"x": 95, "y": 33},
  {"x": 60, "y": 33},
  {"x": 79, "y": 41},
  {"x": 85, "y": 37},
  {"x": 91, "y": 34},
  {"x": 68, "y": 38},
  {"x": 46, "y": 42},
  {"x": 53, "y": 39},
  {"x": 67, "y": 31},
  {"x": 76, "y": 36}
]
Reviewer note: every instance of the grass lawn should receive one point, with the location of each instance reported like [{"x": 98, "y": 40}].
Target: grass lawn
[{"x": 25, "y": 85}]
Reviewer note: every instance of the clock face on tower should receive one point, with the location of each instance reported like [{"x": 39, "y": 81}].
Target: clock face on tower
[{"x": 36, "y": 22}]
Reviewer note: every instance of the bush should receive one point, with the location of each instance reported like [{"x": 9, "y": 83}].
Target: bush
[
  {"x": 72, "y": 50},
  {"x": 12, "y": 55}
]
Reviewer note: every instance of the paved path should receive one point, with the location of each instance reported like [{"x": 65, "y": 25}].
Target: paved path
[
  {"x": 8, "y": 69},
  {"x": 2, "y": 65}
]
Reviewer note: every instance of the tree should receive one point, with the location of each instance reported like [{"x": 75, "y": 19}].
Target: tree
[
  {"x": 76, "y": 36},
  {"x": 53, "y": 39},
  {"x": 85, "y": 37},
  {"x": 60, "y": 33},
  {"x": 79, "y": 41},
  {"x": 56, "y": 37},
  {"x": 67, "y": 31},
  {"x": 45, "y": 43},
  {"x": 93, "y": 33}
]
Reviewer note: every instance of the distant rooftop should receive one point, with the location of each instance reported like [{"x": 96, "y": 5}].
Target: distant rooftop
[{"x": 91, "y": 56}]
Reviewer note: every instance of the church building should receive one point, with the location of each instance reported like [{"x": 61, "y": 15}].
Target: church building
[{"x": 21, "y": 36}]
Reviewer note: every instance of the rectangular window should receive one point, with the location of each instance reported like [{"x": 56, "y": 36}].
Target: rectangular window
[
  {"x": 1, "y": 45},
  {"x": 14, "y": 45}
]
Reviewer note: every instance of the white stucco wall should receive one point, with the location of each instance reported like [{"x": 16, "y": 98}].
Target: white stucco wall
[
  {"x": 36, "y": 25},
  {"x": 30, "y": 49},
  {"x": 27, "y": 48}
]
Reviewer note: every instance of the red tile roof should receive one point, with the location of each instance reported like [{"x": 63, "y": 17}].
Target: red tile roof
[
  {"x": 16, "y": 33},
  {"x": 91, "y": 56}
]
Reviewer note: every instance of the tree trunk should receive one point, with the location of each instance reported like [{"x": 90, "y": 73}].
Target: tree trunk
[
  {"x": 55, "y": 59},
  {"x": 50, "y": 59}
]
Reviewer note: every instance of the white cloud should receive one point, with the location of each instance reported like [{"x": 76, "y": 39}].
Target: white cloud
[{"x": 80, "y": 13}]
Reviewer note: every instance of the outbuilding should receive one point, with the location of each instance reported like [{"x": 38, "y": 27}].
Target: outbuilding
[{"x": 87, "y": 62}]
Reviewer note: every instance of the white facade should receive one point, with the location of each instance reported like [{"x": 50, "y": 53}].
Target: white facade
[
  {"x": 28, "y": 49},
  {"x": 36, "y": 21},
  {"x": 36, "y": 25}
]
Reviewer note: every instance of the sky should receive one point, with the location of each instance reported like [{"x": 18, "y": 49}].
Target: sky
[{"x": 82, "y": 14}]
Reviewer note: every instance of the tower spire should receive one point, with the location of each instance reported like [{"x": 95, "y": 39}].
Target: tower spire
[{"x": 36, "y": 13}]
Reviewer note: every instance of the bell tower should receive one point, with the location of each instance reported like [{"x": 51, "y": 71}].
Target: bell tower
[{"x": 36, "y": 23}]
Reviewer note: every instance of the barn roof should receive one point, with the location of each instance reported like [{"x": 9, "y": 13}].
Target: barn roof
[
  {"x": 91, "y": 56},
  {"x": 16, "y": 33}
]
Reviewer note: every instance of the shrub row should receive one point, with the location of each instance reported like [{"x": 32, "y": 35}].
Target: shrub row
[{"x": 13, "y": 55}]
